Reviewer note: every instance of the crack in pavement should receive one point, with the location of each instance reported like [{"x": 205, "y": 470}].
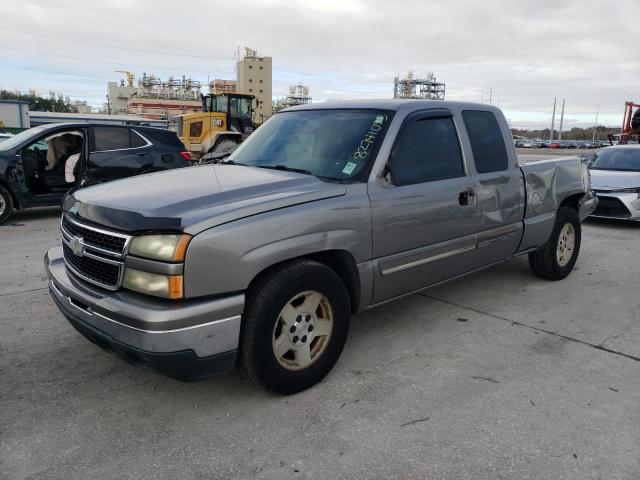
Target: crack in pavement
[
  {"x": 520, "y": 324},
  {"x": 24, "y": 291}
]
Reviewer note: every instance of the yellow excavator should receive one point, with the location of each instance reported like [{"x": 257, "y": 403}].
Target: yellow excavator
[{"x": 226, "y": 120}]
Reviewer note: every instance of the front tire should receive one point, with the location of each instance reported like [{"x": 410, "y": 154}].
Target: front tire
[
  {"x": 295, "y": 326},
  {"x": 557, "y": 258},
  {"x": 6, "y": 205}
]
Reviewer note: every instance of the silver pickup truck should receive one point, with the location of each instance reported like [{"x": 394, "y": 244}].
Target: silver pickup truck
[{"x": 326, "y": 210}]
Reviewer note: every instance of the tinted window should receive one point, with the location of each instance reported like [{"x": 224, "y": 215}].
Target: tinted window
[
  {"x": 136, "y": 140},
  {"x": 487, "y": 142},
  {"x": 111, "y": 138},
  {"x": 427, "y": 150}
]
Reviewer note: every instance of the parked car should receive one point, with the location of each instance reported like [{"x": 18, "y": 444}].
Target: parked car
[
  {"x": 40, "y": 165},
  {"x": 326, "y": 210},
  {"x": 615, "y": 178}
]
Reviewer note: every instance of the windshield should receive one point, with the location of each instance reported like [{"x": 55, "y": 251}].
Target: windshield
[
  {"x": 331, "y": 144},
  {"x": 621, "y": 159},
  {"x": 240, "y": 107},
  {"x": 13, "y": 142}
]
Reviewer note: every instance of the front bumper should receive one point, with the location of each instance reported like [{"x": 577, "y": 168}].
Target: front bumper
[
  {"x": 618, "y": 205},
  {"x": 186, "y": 339}
]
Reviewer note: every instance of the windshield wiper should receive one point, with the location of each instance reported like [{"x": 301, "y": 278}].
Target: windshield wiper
[{"x": 285, "y": 169}]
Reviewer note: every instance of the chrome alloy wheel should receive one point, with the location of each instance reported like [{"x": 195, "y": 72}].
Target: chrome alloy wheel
[
  {"x": 3, "y": 205},
  {"x": 303, "y": 330},
  {"x": 566, "y": 245}
]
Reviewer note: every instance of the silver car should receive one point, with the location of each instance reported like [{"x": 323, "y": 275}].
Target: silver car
[{"x": 615, "y": 178}]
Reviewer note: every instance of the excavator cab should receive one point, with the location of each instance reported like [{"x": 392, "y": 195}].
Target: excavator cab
[
  {"x": 225, "y": 121},
  {"x": 237, "y": 107}
]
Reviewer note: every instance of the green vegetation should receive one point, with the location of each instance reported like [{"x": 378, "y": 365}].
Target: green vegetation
[{"x": 55, "y": 103}]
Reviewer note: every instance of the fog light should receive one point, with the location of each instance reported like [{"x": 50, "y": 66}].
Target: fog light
[{"x": 165, "y": 286}]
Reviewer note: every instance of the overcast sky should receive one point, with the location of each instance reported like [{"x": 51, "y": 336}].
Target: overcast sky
[{"x": 526, "y": 52}]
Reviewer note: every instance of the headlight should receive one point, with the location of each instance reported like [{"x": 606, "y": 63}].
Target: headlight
[
  {"x": 165, "y": 286},
  {"x": 170, "y": 248}
]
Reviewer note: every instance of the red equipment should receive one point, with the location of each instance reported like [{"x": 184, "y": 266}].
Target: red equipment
[{"x": 627, "y": 131}]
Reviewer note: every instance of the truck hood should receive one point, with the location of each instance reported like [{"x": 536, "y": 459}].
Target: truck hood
[
  {"x": 196, "y": 198},
  {"x": 614, "y": 180}
]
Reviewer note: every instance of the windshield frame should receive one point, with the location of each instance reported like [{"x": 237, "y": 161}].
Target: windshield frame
[
  {"x": 21, "y": 138},
  {"x": 363, "y": 175}
]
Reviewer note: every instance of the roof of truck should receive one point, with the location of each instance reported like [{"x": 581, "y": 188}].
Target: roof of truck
[{"x": 392, "y": 104}]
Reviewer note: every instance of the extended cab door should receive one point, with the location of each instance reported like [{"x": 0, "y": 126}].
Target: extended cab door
[
  {"x": 425, "y": 212},
  {"x": 500, "y": 185},
  {"x": 116, "y": 152}
]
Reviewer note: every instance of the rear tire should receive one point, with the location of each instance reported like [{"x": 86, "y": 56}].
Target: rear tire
[
  {"x": 294, "y": 327},
  {"x": 6, "y": 205},
  {"x": 557, "y": 258}
]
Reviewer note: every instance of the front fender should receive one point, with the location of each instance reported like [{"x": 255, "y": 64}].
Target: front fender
[{"x": 228, "y": 257}]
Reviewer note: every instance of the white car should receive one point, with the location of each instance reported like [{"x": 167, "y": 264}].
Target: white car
[{"x": 615, "y": 179}]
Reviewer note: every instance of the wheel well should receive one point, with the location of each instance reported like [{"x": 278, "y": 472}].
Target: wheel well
[
  {"x": 16, "y": 204},
  {"x": 572, "y": 201},
  {"x": 340, "y": 261}
]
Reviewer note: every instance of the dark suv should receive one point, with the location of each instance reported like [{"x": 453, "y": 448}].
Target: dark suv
[{"x": 40, "y": 165}]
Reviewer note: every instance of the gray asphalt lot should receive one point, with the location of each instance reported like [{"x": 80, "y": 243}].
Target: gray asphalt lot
[{"x": 499, "y": 375}]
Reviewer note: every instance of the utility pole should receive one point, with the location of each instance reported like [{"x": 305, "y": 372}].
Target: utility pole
[
  {"x": 553, "y": 118},
  {"x": 561, "y": 119},
  {"x": 595, "y": 126},
  {"x": 490, "y": 95}
]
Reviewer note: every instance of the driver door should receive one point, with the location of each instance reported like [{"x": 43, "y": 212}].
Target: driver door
[{"x": 425, "y": 213}]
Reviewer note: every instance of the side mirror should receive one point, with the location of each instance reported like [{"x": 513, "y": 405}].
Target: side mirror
[{"x": 587, "y": 158}]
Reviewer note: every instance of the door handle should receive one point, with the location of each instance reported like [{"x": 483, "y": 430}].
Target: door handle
[
  {"x": 466, "y": 198},
  {"x": 141, "y": 154}
]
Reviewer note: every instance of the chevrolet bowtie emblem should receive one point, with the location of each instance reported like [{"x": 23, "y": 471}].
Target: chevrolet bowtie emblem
[{"x": 76, "y": 246}]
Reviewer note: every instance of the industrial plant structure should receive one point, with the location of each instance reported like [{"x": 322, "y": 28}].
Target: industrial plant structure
[
  {"x": 426, "y": 88},
  {"x": 160, "y": 99},
  {"x": 298, "y": 95},
  {"x": 153, "y": 97},
  {"x": 255, "y": 78}
]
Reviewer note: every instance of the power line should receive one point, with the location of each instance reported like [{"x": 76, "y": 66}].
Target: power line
[
  {"x": 106, "y": 62},
  {"x": 84, "y": 42}
]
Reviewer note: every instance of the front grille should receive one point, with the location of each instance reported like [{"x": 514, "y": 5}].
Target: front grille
[
  {"x": 95, "y": 237},
  {"x": 101, "y": 273},
  {"x": 99, "y": 254},
  {"x": 611, "y": 207}
]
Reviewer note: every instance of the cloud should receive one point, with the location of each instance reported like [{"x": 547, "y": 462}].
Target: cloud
[{"x": 526, "y": 52}]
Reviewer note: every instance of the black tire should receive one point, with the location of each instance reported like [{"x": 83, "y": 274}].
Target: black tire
[
  {"x": 544, "y": 262},
  {"x": 265, "y": 301},
  {"x": 6, "y": 205}
]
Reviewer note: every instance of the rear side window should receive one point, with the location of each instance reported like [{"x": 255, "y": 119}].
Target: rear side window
[
  {"x": 136, "y": 140},
  {"x": 165, "y": 137},
  {"x": 487, "y": 142},
  {"x": 111, "y": 138},
  {"x": 427, "y": 150}
]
